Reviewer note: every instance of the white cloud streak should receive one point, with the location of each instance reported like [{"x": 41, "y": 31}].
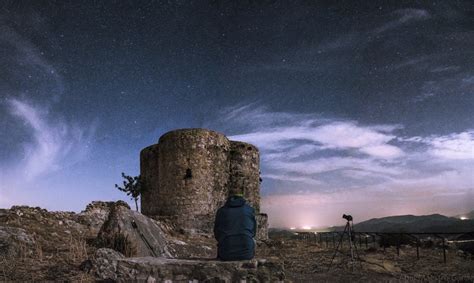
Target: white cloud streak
[
  {"x": 324, "y": 153},
  {"x": 28, "y": 60},
  {"x": 322, "y": 134},
  {"x": 455, "y": 146},
  {"x": 54, "y": 145},
  {"x": 404, "y": 16}
]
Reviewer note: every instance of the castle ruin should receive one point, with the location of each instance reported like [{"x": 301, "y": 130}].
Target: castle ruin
[{"x": 190, "y": 173}]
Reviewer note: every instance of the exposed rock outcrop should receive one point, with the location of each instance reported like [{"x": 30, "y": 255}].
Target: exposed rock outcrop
[
  {"x": 132, "y": 233},
  {"x": 15, "y": 242}
]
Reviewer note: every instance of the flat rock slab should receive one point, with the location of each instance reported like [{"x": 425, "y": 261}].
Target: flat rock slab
[{"x": 152, "y": 269}]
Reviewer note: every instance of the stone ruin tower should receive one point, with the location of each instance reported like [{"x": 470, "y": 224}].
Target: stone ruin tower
[{"x": 190, "y": 173}]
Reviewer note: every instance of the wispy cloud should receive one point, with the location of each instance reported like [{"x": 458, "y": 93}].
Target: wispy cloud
[
  {"x": 401, "y": 17},
  {"x": 404, "y": 16},
  {"x": 27, "y": 64},
  {"x": 455, "y": 146},
  {"x": 445, "y": 69},
  {"x": 36, "y": 139},
  {"x": 319, "y": 57},
  {"x": 324, "y": 165},
  {"x": 454, "y": 85},
  {"x": 54, "y": 144},
  {"x": 316, "y": 133},
  {"x": 314, "y": 168},
  {"x": 328, "y": 154}
]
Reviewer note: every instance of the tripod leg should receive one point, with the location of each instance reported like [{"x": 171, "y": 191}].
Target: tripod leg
[
  {"x": 351, "y": 243},
  {"x": 357, "y": 253},
  {"x": 337, "y": 248},
  {"x": 358, "y": 258}
]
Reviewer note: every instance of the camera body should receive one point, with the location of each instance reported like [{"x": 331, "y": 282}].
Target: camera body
[{"x": 347, "y": 217}]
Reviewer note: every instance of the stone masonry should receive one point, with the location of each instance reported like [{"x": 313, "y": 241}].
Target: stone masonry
[{"x": 189, "y": 174}]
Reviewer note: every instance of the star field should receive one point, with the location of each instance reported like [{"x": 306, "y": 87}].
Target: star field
[{"x": 353, "y": 105}]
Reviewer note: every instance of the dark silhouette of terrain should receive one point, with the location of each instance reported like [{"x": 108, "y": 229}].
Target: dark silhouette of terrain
[{"x": 416, "y": 224}]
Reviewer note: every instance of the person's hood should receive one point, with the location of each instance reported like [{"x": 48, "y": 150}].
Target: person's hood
[{"x": 235, "y": 201}]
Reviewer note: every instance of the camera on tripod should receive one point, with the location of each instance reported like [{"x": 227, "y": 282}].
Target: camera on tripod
[
  {"x": 347, "y": 217},
  {"x": 349, "y": 231}
]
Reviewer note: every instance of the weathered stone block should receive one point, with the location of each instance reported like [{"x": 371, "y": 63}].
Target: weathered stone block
[{"x": 144, "y": 269}]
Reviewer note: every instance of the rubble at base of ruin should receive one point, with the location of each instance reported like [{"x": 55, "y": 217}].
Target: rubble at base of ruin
[{"x": 189, "y": 174}]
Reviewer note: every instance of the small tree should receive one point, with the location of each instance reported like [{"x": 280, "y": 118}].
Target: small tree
[{"x": 133, "y": 187}]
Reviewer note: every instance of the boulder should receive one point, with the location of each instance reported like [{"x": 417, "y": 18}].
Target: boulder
[
  {"x": 15, "y": 242},
  {"x": 132, "y": 233},
  {"x": 105, "y": 263}
]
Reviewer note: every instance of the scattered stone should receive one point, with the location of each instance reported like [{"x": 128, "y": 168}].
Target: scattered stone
[{"x": 106, "y": 263}]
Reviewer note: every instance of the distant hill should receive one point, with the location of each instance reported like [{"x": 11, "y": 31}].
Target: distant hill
[
  {"x": 470, "y": 215},
  {"x": 415, "y": 224}
]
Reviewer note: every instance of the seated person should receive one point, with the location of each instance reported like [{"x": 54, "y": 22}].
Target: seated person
[{"x": 234, "y": 229}]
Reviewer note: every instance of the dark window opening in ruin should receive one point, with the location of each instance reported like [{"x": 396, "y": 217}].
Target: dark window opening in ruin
[
  {"x": 189, "y": 174},
  {"x": 249, "y": 148}
]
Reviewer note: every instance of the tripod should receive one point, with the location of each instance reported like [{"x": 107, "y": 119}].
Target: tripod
[{"x": 350, "y": 233}]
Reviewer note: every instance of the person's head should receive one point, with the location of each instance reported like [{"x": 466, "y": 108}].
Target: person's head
[
  {"x": 236, "y": 192},
  {"x": 236, "y": 195}
]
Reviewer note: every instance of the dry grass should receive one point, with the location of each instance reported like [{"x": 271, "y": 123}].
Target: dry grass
[
  {"x": 23, "y": 251},
  {"x": 38, "y": 250},
  {"x": 41, "y": 262},
  {"x": 3, "y": 264},
  {"x": 77, "y": 249},
  {"x": 120, "y": 243},
  {"x": 55, "y": 254}
]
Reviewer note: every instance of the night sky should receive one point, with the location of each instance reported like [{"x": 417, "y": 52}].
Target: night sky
[{"x": 361, "y": 108}]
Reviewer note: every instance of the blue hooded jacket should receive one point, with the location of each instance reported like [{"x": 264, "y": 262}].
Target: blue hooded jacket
[{"x": 234, "y": 230}]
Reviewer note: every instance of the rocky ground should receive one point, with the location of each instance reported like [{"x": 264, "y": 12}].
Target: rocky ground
[
  {"x": 37, "y": 245},
  {"x": 308, "y": 261}
]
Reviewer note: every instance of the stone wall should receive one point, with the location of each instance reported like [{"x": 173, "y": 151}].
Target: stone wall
[
  {"x": 262, "y": 226},
  {"x": 190, "y": 173},
  {"x": 149, "y": 171},
  {"x": 244, "y": 172}
]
